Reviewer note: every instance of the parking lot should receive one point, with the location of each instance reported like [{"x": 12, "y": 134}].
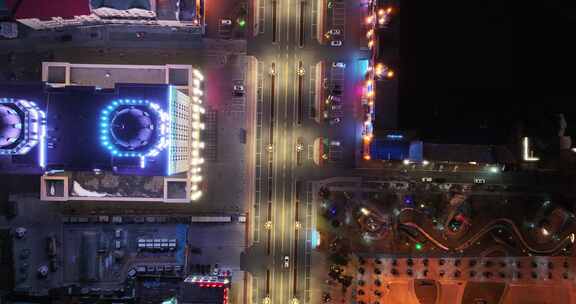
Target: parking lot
[{"x": 333, "y": 84}]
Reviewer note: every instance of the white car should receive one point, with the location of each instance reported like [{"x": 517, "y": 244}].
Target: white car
[
  {"x": 335, "y": 143},
  {"x": 334, "y": 32},
  {"x": 339, "y": 64},
  {"x": 225, "y": 21},
  {"x": 427, "y": 179},
  {"x": 336, "y": 43},
  {"x": 479, "y": 181},
  {"x": 336, "y": 107},
  {"x": 239, "y": 88},
  {"x": 334, "y": 121},
  {"x": 286, "y": 261}
]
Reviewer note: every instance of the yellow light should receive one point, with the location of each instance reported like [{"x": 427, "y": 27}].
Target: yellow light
[
  {"x": 389, "y": 10},
  {"x": 369, "y": 82},
  {"x": 370, "y": 94},
  {"x": 370, "y": 43},
  {"x": 367, "y": 157},
  {"x": 381, "y": 12},
  {"x": 370, "y": 103},
  {"x": 364, "y": 211},
  {"x": 369, "y": 19},
  {"x": 390, "y": 74},
  {"x": 369, "y": 33}
]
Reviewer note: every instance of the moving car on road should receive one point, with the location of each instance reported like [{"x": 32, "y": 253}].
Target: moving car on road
[
  {"x": 286, "y": 262},
  {"x": 225, "y": 21},
  {"x": 338, "y": 64},
  {"x": 334, "y": 121}
]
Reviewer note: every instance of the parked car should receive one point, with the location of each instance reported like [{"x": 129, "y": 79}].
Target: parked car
[
  {"x": 332, "y": 98},
  {"x": 332, "y": 32},
  {"x": 334, "y": 121},
  {"x": 427, "y": 179},
  {"x": 238, "y": 90},
  {"x": 336, "y": 107},
  {"x": 339, "y": 64},
  {"x": 479, "y": 181},
  {"x": 336, "y": 43},
  {"x": 225, "y": 21},
  {"x": 286, "y": 261}
]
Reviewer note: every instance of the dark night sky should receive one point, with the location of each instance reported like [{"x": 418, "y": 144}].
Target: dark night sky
[{"x": 466, "y": 64}]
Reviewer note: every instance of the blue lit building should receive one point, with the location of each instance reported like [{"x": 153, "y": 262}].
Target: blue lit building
[{"x": 132, "y": 129}]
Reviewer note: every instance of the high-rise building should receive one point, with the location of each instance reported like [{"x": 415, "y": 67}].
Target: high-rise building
[{"x": 96, "y": 139}]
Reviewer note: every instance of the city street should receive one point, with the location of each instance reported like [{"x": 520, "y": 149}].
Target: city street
[{"x": 289, "y": 45}]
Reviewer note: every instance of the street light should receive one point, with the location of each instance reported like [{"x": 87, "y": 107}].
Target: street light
[
  {"x": 268, "y": 225},
  {"x": 364, "y": 211},
  {"x": 301, "y": 71},
  {"x": 425, "y": 163},
  {"x": 266, "y": 300}
]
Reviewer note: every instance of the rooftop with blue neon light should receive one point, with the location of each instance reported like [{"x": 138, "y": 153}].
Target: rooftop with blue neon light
[{"x": 132, "y": 129}]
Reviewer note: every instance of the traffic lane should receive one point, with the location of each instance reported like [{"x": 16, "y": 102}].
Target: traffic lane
[{"x": 215, "y": 11}]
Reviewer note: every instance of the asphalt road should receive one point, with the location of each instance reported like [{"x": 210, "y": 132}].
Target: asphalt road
[{"x": 287, "y": 50}]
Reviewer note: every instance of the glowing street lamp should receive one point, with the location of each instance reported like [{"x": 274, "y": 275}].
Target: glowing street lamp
[
  {"x": 390, "y": 74},
  {"x": 370, "y": 33},
  {"x": 369, "y": 19},
  {"x": 364, "y": 211}
]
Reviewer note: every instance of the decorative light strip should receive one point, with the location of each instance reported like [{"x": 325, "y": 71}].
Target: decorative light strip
[
  {"x": 379, "y": 18},
  {"x": 196, "y": 161},
  {"x": 33, "y": 127},
  {"x": 527, "y": 154},
  {"x": 163, "y": 129}
]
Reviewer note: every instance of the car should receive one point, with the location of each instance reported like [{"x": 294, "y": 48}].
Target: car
[
  {"x": 339, "y": 64},
  {"x": 238, "y": 90},
  {"x": 286, "y": 261},
  {"x": 334, "y": 121},
  {"x": 336, "y": 43},
  {"x": 427, "y": 179},
  {"x": 335, "y": 143},
  {"x": 118, "y": 233},
  {"x": 334, "y": 32},
  {"x": 479, "y": 181},
  {"x": 225, "y": 21},
  {"x": 332, "y": 98},
  {"x": 336, "y": 107}
]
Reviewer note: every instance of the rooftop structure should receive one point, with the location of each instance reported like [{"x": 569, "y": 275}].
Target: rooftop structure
[
  {"x": 42, "y": 14},
  {"x": 93, "y": 136},
  {"x": 205, "y": 290}
]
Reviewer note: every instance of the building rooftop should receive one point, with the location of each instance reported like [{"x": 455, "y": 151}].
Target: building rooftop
[{"x": 45, "y": 9}]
